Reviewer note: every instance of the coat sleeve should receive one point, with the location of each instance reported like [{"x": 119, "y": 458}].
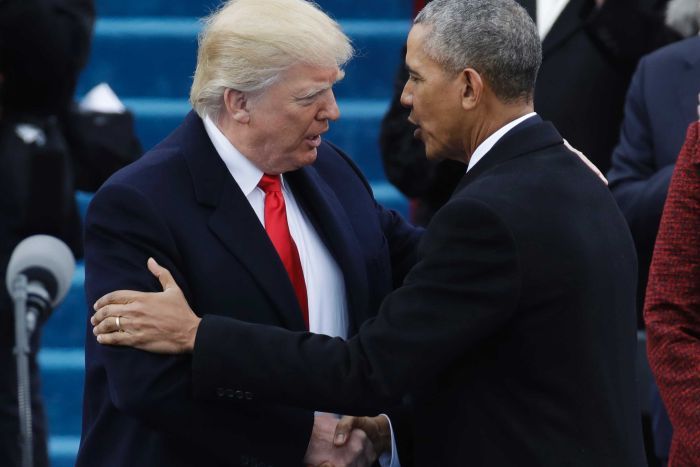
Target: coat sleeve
[
  {"x": 464, "y": 287},
  {"x": 672, "y": 306},
  {"x": 403, "y": 239},
  {"x": 122, "y": 230},
  {"x": 638, "y": 184}
]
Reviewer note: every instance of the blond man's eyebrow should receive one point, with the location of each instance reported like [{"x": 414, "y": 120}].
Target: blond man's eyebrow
[
  {"x": 314, "y": 91},
  {"x": 311, "y": 93}
]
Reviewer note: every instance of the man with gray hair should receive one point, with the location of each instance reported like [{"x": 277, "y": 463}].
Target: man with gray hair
[
  {"x": 514, "y": 333},
  {"x": 260, "y": 220}
]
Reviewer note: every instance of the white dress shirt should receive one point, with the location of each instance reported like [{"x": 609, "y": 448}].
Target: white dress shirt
[
  {"x": 491, "y": 141},
  {"x": 325, "y": 286},
  {"x": 547, "y": 13}
]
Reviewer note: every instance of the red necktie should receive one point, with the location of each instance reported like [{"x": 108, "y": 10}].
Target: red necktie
[{"x": 278, "y": 231}]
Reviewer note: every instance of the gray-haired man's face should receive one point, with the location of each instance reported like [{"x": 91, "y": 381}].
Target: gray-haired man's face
[{"x": 434, "y": 96}]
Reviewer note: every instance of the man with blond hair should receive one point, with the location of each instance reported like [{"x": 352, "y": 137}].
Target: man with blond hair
[{"x": 259, "y": 219}]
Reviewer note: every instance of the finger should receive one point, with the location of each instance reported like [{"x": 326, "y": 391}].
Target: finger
[
  {"x": 164, "y": 277},
  {"x": 115, "y": 338},
  {"x": 108, "y": 325},
  {"x": 117, "y": 297},
  {"x": 108, "y": 311},
  {"x": 370, "y": 452},
  {"x": 343, "y": 428}
]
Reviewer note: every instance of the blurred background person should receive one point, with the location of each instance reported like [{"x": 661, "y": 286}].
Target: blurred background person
[
  {"x": 48, "y": 147},
  {"x": 590, "y": 49},
  {"x": 658, "y": 109},
  {"x": 672, "y": 309}
]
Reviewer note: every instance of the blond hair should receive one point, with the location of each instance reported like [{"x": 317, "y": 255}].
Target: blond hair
[{"x": 247, "y": 44}]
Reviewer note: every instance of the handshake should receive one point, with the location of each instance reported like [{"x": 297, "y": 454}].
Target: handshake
[{"x": 350, "y": 441}]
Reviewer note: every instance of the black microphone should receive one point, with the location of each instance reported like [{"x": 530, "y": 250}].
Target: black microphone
[{"x": 48, "y": 265}]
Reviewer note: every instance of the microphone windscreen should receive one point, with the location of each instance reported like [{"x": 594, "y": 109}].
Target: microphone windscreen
[{"x": 47, "y": 253}]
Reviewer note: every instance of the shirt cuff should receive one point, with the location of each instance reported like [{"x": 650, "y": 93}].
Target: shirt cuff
[{"x": 390, "y": 459}]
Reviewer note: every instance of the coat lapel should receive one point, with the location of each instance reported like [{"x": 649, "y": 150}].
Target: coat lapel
[
  {"x": 330, "y": 220},
  {"x": 234, "y": 222}
]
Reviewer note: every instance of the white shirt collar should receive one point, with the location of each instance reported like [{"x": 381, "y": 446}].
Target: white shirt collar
[
  {"x": 246, "y": 174},
  {"x": 491, "y": 141},
  {"x": 548, "y": 11}
]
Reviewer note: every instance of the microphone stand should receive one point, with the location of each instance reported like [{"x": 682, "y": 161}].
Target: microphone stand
[{"x": 19, "y": 296}]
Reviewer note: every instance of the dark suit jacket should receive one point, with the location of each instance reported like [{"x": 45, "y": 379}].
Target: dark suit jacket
[
  {"x": 514, "y": 332},
  {"x": 179, "y": 204},
  {"x": 660, "y": 105}
]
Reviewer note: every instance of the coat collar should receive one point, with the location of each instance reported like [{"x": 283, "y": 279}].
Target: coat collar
[{"x": 531, "y": 135}]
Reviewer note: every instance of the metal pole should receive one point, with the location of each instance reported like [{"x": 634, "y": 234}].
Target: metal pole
[{"x": 19, "y": 296}]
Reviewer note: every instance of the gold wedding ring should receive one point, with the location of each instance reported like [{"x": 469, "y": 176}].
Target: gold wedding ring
[{"x": 119, "y": 324}]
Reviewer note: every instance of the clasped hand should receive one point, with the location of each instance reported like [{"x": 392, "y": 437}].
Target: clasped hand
[{"x": 350, "y": 441}]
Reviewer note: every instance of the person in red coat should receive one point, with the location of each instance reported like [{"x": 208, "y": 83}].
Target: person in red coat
[{"x": 672, "y": 306}]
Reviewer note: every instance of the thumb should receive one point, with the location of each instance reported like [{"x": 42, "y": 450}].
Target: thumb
[
  {"x": 164, "y": 277},
  {"x": 345, "y": 427}
]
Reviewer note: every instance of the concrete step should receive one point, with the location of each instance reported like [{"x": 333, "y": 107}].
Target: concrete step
[
  {"x": 63, "y": 450},
  {"x": 156, "y": 57},
  {"x": 336, "y": 8},
  {"x": 62, "y": 379},
  {"x": 66, "y": 326}
]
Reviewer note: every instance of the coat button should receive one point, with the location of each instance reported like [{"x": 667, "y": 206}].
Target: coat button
[{"x": 239, "y": 394}]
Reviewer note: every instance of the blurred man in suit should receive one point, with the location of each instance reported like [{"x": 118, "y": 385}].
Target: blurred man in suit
[
  {"x": 514, "y": 332},
  {"x": 259, "y": 219}
]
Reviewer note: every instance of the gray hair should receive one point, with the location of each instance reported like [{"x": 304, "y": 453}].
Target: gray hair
[
  {"x": 683, "y": 16},
  {"x": 497, "y": 38},
  {"x": 247, "y": 44}
]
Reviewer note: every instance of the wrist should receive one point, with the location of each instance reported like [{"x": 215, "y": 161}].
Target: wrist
[{"x": 192, "y": 335}]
